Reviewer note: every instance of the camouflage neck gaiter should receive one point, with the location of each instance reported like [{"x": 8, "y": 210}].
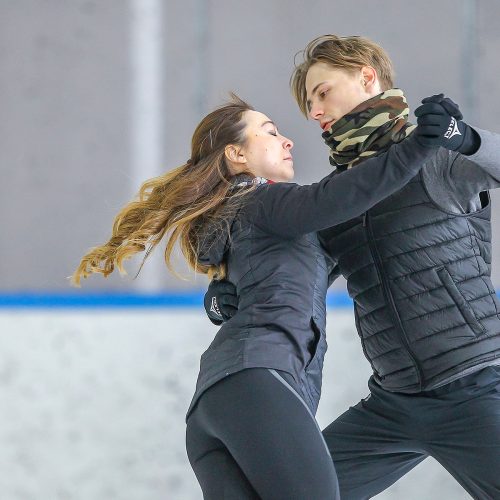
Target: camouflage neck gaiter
[{"x": 369, "y": 129}]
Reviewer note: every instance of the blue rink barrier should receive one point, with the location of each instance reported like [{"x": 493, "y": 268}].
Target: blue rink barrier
[{"x": 113, "y": 300}]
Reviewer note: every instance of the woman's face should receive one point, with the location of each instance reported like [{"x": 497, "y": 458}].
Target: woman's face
[{"x": 266, "y": 153}]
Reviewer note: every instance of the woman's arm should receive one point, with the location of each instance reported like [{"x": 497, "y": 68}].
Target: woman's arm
[{"x": 289, "y": 210}]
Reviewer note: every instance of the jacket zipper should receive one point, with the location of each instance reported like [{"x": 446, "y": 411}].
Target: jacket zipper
[{"x": 388, "y": 294}]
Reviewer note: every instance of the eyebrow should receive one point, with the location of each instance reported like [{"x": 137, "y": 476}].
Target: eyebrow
[
  {"x": 314, "y": 90},
  {"x": 268, "y": 121}
]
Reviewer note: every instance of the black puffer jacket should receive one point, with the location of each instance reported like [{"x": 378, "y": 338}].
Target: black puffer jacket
[
  {"x": 281, "y": 273},
  {"x": 425, "y": 307}
]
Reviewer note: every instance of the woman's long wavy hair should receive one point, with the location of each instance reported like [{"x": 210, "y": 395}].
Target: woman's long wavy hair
[{"x": 179, "y": 202}]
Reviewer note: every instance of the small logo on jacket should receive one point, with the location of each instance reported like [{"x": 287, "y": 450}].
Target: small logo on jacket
[
  {"x": 452, "y": 129},
  {"x": 214, "y": 307}
]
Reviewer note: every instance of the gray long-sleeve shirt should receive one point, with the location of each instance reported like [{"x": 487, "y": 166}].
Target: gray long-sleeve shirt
[{"x": 456, "y": 181}]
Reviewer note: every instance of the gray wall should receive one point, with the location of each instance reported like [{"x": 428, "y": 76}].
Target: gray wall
[{"x": 68, "y": 119}]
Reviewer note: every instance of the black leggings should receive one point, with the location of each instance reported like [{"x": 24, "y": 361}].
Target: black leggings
[{"x": 250, "y": 436}]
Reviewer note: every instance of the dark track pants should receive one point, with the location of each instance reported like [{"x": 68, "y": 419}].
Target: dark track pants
[
  {"x": 384, "y": 436},
  {"x": 250, "y": 436}
]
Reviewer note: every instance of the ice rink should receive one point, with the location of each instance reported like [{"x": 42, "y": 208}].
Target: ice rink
[{"x": 93, "y": 404}]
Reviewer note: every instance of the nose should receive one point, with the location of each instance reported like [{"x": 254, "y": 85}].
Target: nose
[
  {"x": 316, "y": 111},
  {"x": 287, "y": 143}
]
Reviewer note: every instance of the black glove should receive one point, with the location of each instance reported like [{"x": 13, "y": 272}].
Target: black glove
[
  {"x": 447, "y": 103},
  {"x": 439, "y": 124},
  {"x": 221, "y": 301}
]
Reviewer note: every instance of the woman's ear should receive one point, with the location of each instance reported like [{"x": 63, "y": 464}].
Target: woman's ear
[{"x": 234, "y": 155}]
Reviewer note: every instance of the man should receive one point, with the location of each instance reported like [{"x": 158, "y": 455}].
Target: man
[{"x": 418, "y": 270}]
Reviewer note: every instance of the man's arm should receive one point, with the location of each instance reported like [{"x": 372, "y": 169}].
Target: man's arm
[
  {"x": 459, "y": 175},
  {"x": 220, "y": 301},
  {"x": 454, "y": 180},
  {"x": 479, "y": 171}
]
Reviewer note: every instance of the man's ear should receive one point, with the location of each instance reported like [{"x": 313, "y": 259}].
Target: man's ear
[
  {"x": 235, "y": 154},
  {"x": 369, "y": 77}
]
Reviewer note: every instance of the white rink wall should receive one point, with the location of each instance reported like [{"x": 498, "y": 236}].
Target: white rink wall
[{"x": 92, "y": 403}]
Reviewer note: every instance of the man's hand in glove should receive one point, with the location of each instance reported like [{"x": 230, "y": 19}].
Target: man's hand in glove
[
  {"x": 221, "y": 301},
  {"x": 440, "y": 123}
]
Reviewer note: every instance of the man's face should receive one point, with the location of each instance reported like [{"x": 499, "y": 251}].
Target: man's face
[{"x": 332, "y": 92}]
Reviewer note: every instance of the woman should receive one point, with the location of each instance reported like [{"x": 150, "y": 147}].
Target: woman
[{"x": 251, "y": 431}]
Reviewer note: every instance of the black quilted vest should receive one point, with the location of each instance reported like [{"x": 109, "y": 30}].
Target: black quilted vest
[{"x": 425, "y": 308}]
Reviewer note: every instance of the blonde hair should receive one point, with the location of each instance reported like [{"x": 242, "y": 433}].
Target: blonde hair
[
  {"x": 181, "y": 202},
  {"x": 347, "y": 53}
]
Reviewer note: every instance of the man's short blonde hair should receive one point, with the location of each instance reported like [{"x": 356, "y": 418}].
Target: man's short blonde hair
[{"x": 347, "y": 53}]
